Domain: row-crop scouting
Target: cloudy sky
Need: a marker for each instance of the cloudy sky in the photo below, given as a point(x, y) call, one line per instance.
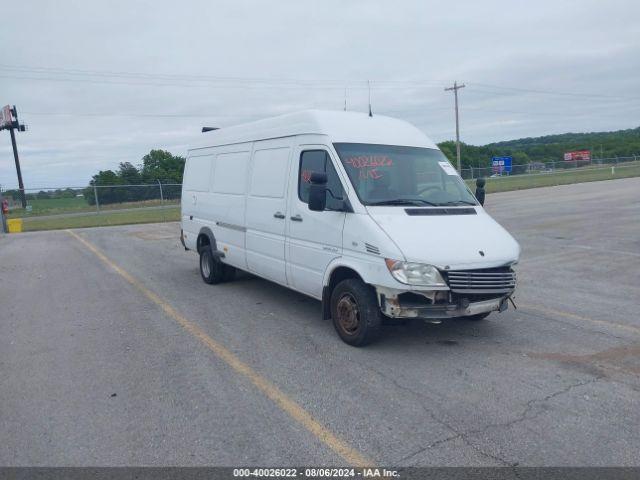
point(100, 83)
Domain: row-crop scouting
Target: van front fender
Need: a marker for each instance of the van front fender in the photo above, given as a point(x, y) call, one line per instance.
point(344, 269)
point(371, 269)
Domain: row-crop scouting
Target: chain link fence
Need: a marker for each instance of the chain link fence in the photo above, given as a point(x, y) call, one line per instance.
point(96, 205)
point(550, 166)
point(103, 205)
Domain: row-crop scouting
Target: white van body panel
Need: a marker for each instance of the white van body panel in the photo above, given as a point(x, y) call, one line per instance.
point(348, 127)
point(241, 184)
point(221, 207)
point(366, 245)
point(449, 241)
point(266, 200)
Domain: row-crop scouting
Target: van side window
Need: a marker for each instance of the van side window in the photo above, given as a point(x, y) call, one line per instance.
point(197, 172)
point(270, 172)
point(319, 161)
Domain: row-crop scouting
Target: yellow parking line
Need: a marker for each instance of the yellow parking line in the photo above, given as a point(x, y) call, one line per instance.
point(573, 316)
point(299, 414)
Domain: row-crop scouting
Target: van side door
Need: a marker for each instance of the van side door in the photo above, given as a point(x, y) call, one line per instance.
point(195, 184)
point(314, 239)
point(224, 206)
point(266, 209)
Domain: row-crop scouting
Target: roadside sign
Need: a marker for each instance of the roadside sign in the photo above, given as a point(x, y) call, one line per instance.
point(578, 156)
point(6, 118)
point(501, 164)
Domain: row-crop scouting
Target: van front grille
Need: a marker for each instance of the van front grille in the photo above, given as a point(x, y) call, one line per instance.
point(486, 280)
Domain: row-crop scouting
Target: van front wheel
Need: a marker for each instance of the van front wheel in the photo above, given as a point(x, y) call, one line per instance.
point(212, 269)
point(355, 312)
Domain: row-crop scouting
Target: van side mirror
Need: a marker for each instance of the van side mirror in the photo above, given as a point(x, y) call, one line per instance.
point(480, 182)
point(318, 191)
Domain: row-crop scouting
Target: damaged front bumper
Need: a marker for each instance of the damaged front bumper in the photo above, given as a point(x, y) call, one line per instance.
point(436, 304)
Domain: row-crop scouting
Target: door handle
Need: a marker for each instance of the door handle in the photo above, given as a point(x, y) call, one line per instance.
point(296, 218)
point(278, 215)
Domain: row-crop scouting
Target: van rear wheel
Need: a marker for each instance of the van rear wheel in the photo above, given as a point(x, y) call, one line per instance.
point(212, 269)
point(355, 312)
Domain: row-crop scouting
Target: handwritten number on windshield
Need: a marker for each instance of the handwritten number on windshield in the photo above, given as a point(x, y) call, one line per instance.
point(369, 161)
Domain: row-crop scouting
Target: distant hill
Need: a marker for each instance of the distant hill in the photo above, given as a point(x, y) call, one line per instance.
point(550, 148)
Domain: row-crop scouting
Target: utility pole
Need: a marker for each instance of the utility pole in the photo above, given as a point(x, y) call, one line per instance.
point(9, 121)
point(23, 198)
point(455, 89)
point(3, 223)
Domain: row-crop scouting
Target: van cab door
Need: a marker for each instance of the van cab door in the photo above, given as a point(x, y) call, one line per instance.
point(314, 239)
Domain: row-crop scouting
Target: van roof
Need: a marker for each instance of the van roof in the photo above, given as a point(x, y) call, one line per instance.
point(340, 126)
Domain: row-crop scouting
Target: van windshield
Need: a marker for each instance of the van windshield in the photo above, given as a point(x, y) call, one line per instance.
point(397, 175)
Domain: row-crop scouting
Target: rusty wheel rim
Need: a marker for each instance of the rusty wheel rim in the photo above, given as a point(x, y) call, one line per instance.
point(348, 314)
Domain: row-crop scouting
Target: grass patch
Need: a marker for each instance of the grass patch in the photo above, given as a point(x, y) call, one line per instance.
point(56, 206)
point(563, 177)
point(45, 206)
point(169, 214)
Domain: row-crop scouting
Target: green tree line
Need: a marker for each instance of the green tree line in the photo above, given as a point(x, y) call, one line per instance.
point(46, 194)
point(548, 149)
point(157, 166)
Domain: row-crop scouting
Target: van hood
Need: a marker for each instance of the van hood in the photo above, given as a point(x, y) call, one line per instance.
point(448, 241)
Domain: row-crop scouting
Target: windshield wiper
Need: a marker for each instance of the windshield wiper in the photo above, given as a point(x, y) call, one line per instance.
point(402, 201)
point(459, 202)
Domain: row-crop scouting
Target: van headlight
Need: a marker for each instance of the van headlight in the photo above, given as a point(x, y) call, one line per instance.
point(415, 273)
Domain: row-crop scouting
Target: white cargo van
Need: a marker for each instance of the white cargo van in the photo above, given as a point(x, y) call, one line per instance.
point(363, 213)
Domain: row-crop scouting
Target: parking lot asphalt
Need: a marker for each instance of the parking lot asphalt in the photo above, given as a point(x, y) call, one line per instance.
point(116, 366)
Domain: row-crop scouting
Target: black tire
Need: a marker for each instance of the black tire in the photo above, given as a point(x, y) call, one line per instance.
point(212, 270)
point(478, 317)
point(228, 272)
point(355, 312)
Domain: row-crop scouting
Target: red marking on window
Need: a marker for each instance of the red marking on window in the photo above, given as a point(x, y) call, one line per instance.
point(373, 174)
point(306, 176)
point(364, 161)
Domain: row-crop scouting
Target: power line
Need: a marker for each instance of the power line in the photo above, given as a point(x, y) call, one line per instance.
point(167, 84)
point(23, 72)
point(147, 79)
point(257, 85)
point(166, 79)
point(192, 77)
point(144, 75)
point(382, 110)
point(551, 92)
